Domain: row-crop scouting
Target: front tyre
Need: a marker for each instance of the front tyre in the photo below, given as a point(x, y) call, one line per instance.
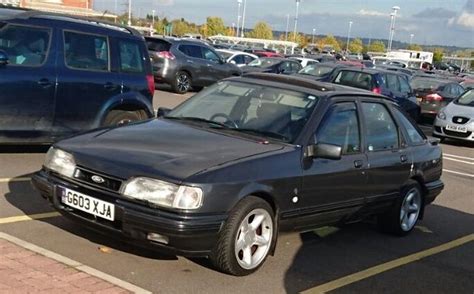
point(404, 215)
point(182, 82)
point(246, 238)
point(123, 117)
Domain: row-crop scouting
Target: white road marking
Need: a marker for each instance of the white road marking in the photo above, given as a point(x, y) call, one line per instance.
point(75, 264)
point(458, 173)
point(458, 160)
point(457, 156)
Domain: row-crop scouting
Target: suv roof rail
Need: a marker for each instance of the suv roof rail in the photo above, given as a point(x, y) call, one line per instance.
point(37, 13)
point(323, 87)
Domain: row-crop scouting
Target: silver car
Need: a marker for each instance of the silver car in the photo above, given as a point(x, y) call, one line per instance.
point(456, 120)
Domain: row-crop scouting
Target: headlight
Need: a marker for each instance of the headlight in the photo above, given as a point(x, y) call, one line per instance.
point(60, 161)
point(163, 194)
point(442, 115)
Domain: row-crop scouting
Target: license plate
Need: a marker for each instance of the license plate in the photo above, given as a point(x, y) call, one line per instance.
point(88, 204)
point(460, 129)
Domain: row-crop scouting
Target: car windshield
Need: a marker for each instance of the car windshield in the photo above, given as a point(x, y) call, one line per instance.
point(264, 62)
point(316, 70)
point(248, 109)
point(466, 99)
point(425, 83)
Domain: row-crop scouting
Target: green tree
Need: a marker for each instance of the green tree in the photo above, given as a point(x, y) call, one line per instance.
point(438, 55)
point(261, 31)
point(415, 47)
point(215, 26)
point(356, 46)
point(180, 27)
point(329, 40)
point(377, 46)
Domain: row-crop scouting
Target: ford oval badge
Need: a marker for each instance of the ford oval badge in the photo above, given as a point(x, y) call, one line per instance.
point(97, 179)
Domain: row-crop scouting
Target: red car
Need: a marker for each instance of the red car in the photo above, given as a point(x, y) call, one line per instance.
point(267, 54)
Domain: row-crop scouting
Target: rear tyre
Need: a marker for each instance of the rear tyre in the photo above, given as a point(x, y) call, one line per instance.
point(123, 117)
point(245, 240)
point(403, 216)
point(182, 82)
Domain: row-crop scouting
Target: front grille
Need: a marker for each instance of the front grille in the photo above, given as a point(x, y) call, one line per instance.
point(457, 134)
point(109, 183)
point(460, 120)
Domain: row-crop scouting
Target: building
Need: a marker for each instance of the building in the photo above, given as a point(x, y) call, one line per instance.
point(73, 7)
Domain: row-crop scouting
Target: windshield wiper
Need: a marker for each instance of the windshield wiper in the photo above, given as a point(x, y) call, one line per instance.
point(263, 133)
point(197, 119)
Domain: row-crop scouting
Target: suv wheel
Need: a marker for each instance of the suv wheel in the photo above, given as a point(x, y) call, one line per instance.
point(182, 82)
point(403, 216)
point(123, 117)
point(246, 238)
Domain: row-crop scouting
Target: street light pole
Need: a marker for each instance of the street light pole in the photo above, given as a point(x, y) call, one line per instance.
point(348, 36)
point(411, 38)
point(243, 20)
point(287, 26)
point(239, 4)
point(312, 39)
point(129, 12)
point(296, 19)
point(393, 17)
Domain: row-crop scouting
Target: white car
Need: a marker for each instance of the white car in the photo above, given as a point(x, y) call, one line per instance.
point(305, 61)
point(238, 58)
point(456, 120)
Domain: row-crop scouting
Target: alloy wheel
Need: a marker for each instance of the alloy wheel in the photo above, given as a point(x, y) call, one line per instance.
point(183, 82)
point(410, 209)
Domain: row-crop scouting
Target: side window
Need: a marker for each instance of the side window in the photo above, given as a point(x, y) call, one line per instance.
point(248, 59)
point(191, 50)
point(131, 58)
point(239, 59)
point(392, 83)
point(295, 67)
point(459, 90)
point(341, 127)
point(382, 133)
point(209, 55)
point(89, 52)
point(404, 86)
point(26, 46)
point(414, 136)
point(285, 67)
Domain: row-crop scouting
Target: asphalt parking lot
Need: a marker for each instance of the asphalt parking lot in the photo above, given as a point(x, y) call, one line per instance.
point(438, 257)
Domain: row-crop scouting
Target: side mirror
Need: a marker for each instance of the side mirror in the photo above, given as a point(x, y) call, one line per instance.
point(3, 58)
point(322, 150)
point(162, 111)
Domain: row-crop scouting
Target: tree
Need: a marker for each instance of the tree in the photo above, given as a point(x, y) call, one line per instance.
point(438, 55)
point(261, 31)
point(329, 41)
point(180, 27)
point(356, 46)
point(215, 26)
point(415, 47)
point(377, 46)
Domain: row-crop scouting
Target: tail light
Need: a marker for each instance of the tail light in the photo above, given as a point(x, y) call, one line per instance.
point(151, 84)
point(165, 55)
point(377, 90)
point(434, 97)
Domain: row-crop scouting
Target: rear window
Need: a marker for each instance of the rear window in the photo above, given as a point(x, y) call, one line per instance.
point(426, 83)
point(316, 70)
point(131, 58)
point(158, 45)
point(354, 79)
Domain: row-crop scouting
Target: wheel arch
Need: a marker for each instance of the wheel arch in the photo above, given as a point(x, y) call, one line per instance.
point(127, 103)
point(424, 191)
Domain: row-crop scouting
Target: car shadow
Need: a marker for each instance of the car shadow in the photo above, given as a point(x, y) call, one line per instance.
point(35, 204)
point(24, 148)
point(357, 247)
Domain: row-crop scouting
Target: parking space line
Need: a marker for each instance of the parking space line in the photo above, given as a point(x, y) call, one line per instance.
point(457, 156)
point(458, 160)
point(75, 264)
point(22, 218)
point(11, 180)
point(458, 173)
point(362, 275)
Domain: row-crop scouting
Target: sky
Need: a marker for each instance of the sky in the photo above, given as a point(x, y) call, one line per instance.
point(432, 22)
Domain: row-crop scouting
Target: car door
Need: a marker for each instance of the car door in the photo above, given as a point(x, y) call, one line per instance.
point(334, 189)
point(195, 64)
point(88, 76)
point(388, 157)
point(216, 68)
point(28, 81)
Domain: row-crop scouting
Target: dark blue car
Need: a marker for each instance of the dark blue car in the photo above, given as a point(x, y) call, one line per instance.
point(61, 75)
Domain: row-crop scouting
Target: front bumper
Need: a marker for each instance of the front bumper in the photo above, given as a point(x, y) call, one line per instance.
point(439, 131)
point(188, 235)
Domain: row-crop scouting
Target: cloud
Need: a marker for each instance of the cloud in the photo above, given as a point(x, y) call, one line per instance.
point(372, 13)
point(166, 2)
point(466, 18)
point(436, 12)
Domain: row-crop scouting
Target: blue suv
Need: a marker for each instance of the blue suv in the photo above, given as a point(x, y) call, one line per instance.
point(61, 75)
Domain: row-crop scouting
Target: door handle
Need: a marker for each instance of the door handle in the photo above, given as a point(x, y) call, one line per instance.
point(110, 86)
point(189, 61)
point(403, 158)
point(45, 83)
point(358, 163)
point(209, 65)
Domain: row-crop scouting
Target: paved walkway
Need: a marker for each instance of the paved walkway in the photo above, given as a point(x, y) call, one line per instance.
point(25, 271)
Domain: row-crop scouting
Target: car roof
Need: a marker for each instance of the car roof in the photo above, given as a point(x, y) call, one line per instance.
point(56, 17)
point(297, 83)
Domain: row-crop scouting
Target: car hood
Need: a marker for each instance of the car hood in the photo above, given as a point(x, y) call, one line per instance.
point(159, 148)
point(453, 109)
